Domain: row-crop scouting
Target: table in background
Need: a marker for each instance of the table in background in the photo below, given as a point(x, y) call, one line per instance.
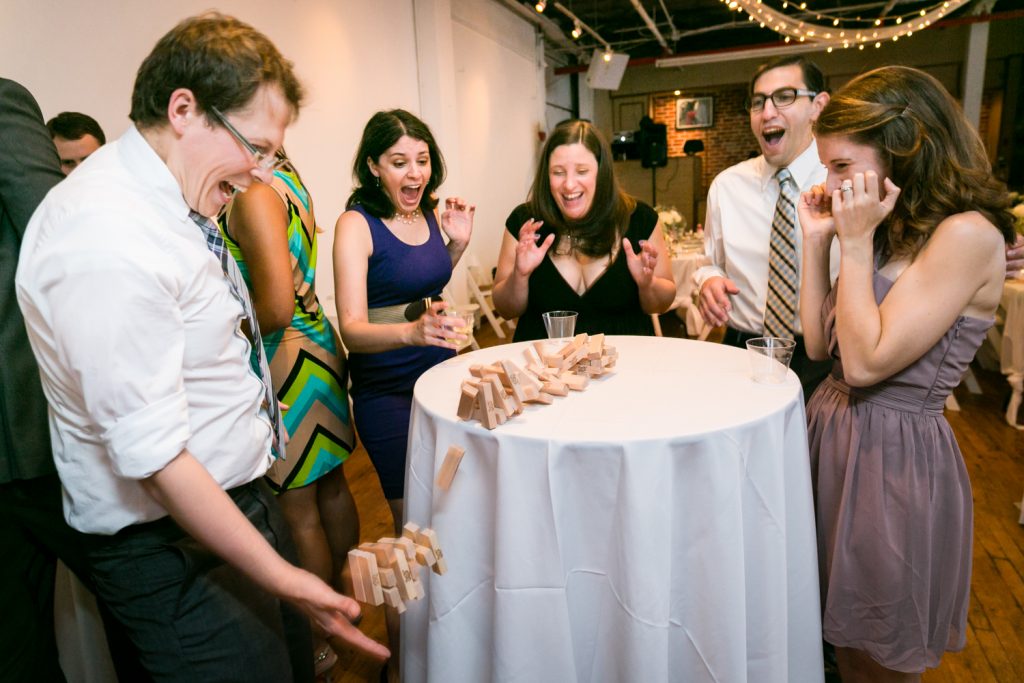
point(685, 262)
point(657, 526)
point(1011, 356)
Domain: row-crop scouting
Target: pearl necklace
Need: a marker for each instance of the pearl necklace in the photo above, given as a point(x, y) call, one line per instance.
point(407, 218)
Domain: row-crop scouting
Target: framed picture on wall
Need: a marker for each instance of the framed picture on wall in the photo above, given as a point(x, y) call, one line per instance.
point(695, 112)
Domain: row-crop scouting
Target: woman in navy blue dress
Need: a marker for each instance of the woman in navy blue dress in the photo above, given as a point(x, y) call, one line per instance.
point(389, 253)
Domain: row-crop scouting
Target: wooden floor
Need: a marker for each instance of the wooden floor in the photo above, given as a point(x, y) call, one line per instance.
point(995, 459)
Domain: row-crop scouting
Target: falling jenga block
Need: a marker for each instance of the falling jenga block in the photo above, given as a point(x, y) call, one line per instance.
point(365, 577)
point(448, 469)
point(402, 545)
point(425, 556)
point(428, 538)
point(383, 554)
point(387, 577)
point(392, 598)
point(408, 585)
point(467, 400)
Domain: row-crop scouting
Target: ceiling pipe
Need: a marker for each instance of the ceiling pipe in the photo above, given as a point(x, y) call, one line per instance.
point(583, 25)
point(671, 25)
point(550, 29)
point(650, 24)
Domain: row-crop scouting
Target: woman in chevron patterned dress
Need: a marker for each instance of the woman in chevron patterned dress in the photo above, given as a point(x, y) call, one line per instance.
point(271, 232)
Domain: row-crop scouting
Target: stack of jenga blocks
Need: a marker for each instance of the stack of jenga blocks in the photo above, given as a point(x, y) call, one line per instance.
point(499, 391)
point(387, 572)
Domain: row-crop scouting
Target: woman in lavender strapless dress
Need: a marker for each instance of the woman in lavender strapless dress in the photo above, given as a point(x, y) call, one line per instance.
point(922, 227)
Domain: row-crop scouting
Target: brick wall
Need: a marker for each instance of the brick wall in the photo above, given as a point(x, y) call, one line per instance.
point(726, 142)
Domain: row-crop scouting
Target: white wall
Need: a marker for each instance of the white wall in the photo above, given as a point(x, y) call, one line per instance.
point(499, 86)
point(355, 57)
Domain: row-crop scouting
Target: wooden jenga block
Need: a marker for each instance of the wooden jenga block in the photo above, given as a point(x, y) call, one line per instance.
point(365, 577)
point(542, 397)
point(500, 415)
point(425, 556)
point(556, 362)
point(501, 399)
point(531, 392)
point(402, 545)
point(387, 577)
point(466, 401)
point(610, 351)
point(574, 382)
point(555, 387)
point(407, 584)
point(595, 345)
point(537, 370)
point(476, 370)
point(485, 406)
point(410, 530)
point(513, 373)
point(392, 598)
point(428, 538)
point(382, 553)
point(538, 347)
point(448, 468)
point(528, 379)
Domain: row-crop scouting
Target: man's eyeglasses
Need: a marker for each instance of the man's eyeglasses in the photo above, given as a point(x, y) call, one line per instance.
point(263, 160)
point(783, 97)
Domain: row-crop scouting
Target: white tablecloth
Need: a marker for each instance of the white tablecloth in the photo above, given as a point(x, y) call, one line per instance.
point(684, 265)
point(657, 526)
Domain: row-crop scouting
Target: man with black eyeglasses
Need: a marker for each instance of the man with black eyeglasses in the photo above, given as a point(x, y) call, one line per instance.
point(752, 234)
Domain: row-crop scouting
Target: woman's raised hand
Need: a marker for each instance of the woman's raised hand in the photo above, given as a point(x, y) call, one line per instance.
point(641, 264)
point(457, 220)
point(815, 210)
point(529, 253)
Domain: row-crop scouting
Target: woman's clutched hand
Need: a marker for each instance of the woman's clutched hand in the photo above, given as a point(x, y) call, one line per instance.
point(434, 328)
point(815, 211)
point(858, 206)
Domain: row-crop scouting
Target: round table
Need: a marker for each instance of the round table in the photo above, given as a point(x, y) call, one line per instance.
point(657, 526)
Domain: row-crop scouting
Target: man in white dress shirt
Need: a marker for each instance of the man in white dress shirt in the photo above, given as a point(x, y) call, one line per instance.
point(161, 425)
point(785, 97)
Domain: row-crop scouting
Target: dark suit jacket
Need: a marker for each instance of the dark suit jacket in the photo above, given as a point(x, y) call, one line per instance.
point(29, 167)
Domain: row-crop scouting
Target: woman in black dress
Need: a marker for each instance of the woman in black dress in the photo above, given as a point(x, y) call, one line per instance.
point(580, 243)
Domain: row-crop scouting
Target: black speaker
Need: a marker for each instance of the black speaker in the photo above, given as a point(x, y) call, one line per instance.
point(652, 139)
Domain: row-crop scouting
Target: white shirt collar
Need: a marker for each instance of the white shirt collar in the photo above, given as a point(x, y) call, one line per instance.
point(802, 168)
point(151, 170)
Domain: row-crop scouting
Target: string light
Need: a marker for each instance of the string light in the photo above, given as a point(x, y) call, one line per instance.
point(541, 5)
point(576, 31)
point(882, 28)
